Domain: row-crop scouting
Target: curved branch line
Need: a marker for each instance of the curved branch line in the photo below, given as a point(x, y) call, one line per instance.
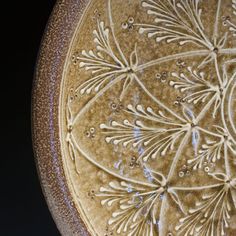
point(123, 74)
point(205, 109)
point(156, 100)
point(224, 104)
point(178, 154)
point(161, 228)
point(208, 132)
point(91, 160)
point(228, 51)
point(113, 33)
point(173, 57)
point(216, 26)
point(197, 188)
point(99, 94)
point(230, 108)
point(217, 70)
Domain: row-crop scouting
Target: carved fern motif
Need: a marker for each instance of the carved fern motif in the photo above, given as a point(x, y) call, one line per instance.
point(137, 208)
point(212, 150)
point(104, 64)
point(210, 217)
point(197, 88)
point(140, 204)
point(156, 140)
point(176, 21)
point(209, 152)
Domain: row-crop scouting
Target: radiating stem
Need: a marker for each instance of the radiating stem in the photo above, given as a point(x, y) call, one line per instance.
point(218, 70)
point(157, 101)
point(99, 94)
point(90, 159)
point(177, 155)
point(161, 228)
point(172, 57)
point(113, 34)
point(208, 132)
point(225, 103)
point(205, 109)
point(228, 51)
point(197, 188)
point(216, 26)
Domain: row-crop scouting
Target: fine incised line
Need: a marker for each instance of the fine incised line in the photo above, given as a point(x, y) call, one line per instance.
point(99, 94)
point(124, 70)
point(172, 57)
point(157, 100)
point(196, 188)
point(87, 156)
point(230, 51)
point(216, 26)
point(178, 154)
point(113, 34)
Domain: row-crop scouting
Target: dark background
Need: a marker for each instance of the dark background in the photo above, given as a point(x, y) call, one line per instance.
point(23, 210)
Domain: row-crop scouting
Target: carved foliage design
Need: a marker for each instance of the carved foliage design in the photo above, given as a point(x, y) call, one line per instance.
point(159, 130)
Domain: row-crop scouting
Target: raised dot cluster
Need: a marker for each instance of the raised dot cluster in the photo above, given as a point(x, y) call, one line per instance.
point(90, 133)
point(163, 76)
point(129, 24)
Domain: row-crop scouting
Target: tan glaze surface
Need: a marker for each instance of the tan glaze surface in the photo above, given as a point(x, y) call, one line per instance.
point(144, 119)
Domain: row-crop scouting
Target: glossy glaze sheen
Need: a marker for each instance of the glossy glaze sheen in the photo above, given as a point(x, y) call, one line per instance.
point(154, 83)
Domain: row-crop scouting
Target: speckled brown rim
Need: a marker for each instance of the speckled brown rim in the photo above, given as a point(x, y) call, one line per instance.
point(45, 109)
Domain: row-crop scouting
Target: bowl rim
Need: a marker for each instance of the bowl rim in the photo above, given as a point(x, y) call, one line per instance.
point(45, 114)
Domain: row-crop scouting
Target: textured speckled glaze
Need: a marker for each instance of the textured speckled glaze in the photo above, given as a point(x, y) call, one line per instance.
point(134, 117)
point(48, 75)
